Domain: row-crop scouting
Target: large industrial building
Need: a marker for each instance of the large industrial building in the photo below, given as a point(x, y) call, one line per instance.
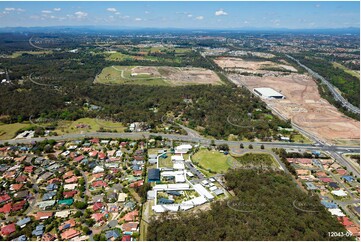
point(266, 92)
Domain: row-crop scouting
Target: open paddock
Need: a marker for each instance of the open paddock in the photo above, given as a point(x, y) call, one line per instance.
point(154, 75)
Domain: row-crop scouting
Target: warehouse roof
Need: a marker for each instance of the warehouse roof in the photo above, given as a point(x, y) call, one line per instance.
point(267, 92)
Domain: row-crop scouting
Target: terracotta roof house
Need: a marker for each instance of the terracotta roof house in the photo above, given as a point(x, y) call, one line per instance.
point(93, 153)
point(97, 206)
point(94, 141)
point(43, 215)
point(8, 229)
point(16, 187)
point(54, 180)
point(68, 174)
point(99, 184)
point(67, 224)
point(326, 179)
point(18, 205)
point(29, 169)
point(6, 208)
point(79, 158)
point(98, 216)
point(131, 216)
point(341, 172)
point(4, 198)
point(355, 230)
point(127, 237)
point(69, 194)
point(101, 155)
point(72, 179)
point(136, 184)
point(21, 178)
point(345, 221)
point(70, 233)
point(130, 227)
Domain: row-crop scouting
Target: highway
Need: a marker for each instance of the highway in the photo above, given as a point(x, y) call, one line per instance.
point(334, 151)
point(338, 97)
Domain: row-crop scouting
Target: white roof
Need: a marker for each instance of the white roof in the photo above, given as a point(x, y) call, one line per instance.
point(202, 191)
point(213, 188)
point(339, 193)
point(178, 166)
point(98, 169)
point(160, 186)
point(179, 186)
point(190, 174)
point(177, 158)
point(70, 186)
point(165, 207)
point(199, 200)
point(180, 178)
point(267, 92)
point(184, 146)
point(336, 211)
point(62, 214)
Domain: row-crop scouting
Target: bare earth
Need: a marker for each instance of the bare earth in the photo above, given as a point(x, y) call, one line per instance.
point(304, 106)
point(239, 63)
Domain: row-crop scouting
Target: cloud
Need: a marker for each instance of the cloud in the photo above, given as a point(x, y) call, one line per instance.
point(317, 5)
point(199, 17)
point(57, 9)
point(112, 9)
point(46, 11)
point(138, 19)
point(81, 14)
point(15, 9)
point(220, 12)
point(189, 15)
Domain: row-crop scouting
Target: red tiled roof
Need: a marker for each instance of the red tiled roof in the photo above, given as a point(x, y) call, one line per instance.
point(79, 158)
point(101, 155)
point(28, 169)
point(95, 140)
point(355, 230)
point(71, 223)
point(131, 216)
point(97, 206)
point(6, 208)
point(4, 198)
point(16, 187)
point(68, 174)
point(54, 180)
point(8, 229)
point(43, 215)
point(126, 238)
point(68, 194)
point(130, 227)
point(72, 179)
point(136, 184)
point(18, 205)
point(70, 233)
point(99, 184)
point(21, 178)
point(98, 216)
point(326, 179)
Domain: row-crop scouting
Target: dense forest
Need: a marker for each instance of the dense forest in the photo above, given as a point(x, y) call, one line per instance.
point(267, 206)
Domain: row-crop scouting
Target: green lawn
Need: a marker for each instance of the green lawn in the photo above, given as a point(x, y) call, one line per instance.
point(19, 53)
point(8, 131)
point(213, 160)
point(122, 75)
point(167, 162)
point(65, 127)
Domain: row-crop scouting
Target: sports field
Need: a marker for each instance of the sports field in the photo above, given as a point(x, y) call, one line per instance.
point(214, 160)
point(157, 75)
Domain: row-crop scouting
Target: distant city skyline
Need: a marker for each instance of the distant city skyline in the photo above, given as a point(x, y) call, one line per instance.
point(209, 15)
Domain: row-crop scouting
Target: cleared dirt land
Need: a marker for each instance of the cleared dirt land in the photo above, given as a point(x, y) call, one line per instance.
point(304, 106)
point(154, 75)
point(252, 66)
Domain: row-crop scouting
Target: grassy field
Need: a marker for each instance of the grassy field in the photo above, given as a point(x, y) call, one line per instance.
point(213, 160)
point(351, 72)
point(167, 162)
point(256, 159)
point(65, 127)
point(122, 75)
point(19, 53)
point(299, 138)
point(8, 131)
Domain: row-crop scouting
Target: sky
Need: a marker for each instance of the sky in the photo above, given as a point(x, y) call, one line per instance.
point(209, 15)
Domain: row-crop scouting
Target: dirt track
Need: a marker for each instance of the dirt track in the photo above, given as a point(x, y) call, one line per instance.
point(304, 106)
